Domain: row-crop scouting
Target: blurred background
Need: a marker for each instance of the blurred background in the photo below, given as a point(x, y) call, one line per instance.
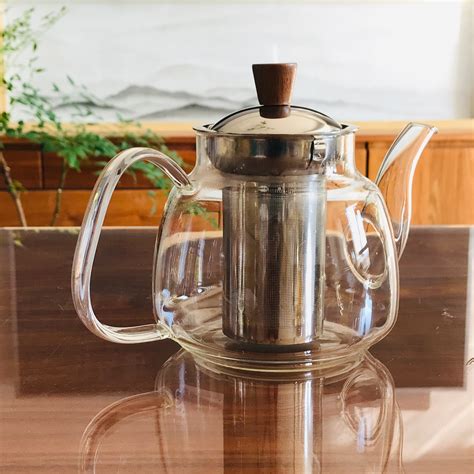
point(154, 68)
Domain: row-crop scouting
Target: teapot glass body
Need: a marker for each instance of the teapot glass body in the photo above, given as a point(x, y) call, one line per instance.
point(272, 272)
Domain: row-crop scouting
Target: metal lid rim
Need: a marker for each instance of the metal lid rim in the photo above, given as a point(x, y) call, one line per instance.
point(207, 130)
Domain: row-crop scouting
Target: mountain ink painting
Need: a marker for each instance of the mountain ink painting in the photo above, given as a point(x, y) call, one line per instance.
point(191, 62)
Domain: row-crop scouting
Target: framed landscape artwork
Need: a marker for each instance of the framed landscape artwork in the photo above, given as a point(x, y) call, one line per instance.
point(190, 61)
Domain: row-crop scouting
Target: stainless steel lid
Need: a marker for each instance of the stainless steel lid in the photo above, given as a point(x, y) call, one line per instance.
point(275, 138)
point(275, 115)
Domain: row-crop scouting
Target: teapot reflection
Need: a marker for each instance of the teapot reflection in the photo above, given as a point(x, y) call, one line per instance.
point(208, 421)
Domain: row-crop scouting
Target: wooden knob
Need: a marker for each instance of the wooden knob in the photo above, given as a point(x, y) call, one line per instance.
point(274, 84)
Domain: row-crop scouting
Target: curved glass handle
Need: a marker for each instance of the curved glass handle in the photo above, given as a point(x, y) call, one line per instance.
point(372, 374)
point(111, 416)
point(89, 237)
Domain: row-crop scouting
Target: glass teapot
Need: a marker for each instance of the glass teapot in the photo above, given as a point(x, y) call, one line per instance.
point(274, 253)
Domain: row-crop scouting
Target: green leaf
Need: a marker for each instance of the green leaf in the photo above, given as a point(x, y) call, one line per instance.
point(154, 207)
point(75, 145)
point(18, 186)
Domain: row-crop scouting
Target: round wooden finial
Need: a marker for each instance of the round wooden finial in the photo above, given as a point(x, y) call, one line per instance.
point(274, 84)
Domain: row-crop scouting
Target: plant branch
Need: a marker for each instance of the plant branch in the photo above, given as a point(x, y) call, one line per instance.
point(12, 189)
point(73, 145)
point(59, 193)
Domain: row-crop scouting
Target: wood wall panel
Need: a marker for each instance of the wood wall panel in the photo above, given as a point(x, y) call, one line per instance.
point(443, 187)
point(361, 157)
point(86, 178)
point(89, 170)
point(127, 208)
point(25, 165)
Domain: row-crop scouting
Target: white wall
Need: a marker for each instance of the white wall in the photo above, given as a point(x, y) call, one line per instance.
point(156, 60)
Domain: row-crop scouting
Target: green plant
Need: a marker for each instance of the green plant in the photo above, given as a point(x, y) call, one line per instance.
point(197, 209)
point(75, 143)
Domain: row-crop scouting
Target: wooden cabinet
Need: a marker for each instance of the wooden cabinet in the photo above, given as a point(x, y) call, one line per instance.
point(128, 207)
point(361, 157)
point(443, 186)
point(443, 191)
point(25, 162)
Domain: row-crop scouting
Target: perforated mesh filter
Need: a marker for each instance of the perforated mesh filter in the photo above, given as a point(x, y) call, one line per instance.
point(274, 261)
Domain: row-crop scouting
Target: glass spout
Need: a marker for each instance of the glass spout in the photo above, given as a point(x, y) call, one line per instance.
point(395, 177)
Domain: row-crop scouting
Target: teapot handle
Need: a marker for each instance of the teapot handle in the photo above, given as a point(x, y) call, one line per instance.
point(89, 237)
point(97, 430)
point(374, 369)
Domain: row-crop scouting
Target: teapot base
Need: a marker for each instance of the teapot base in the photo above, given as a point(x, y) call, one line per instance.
point(262, 369)
point(337, 351)
point(329, 372)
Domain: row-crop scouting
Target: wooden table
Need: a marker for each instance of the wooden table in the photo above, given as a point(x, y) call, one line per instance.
point(73, 403)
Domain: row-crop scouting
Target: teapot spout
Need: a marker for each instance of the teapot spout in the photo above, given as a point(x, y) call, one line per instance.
point(395, 177)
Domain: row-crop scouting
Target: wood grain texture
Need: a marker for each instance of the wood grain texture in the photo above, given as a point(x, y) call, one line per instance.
point(26, 166)
point(127, 207)
point(274, 82)
point(131, 204)
point(89, 173)
point(274, 85)
point(442, 191)
point(55, 376)
point(443, 187)
point(86, 178)
point(361, 157)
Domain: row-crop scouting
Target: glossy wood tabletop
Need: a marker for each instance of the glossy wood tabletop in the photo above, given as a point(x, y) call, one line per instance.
point(73, 403)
